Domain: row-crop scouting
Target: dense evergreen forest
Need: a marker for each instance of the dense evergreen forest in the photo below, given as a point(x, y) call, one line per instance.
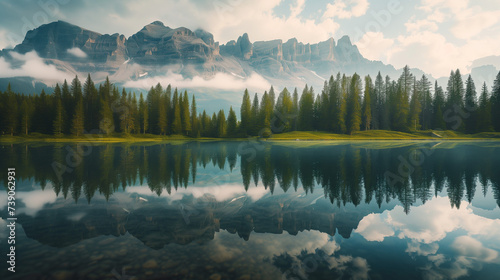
point(345, 105)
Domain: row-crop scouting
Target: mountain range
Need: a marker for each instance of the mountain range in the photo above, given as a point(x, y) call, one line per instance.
point(191, 59)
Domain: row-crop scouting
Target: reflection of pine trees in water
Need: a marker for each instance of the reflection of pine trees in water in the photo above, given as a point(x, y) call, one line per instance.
point(348, 174)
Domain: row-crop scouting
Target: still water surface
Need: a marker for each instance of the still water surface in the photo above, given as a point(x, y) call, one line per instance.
point(240, 210)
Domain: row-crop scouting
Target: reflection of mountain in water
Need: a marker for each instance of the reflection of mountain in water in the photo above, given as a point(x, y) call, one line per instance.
point(158, 223)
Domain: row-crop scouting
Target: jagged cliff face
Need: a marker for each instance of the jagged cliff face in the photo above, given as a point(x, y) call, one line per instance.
point(52, 41)
point(158, 49)
point(154, 44)
point(159, 44)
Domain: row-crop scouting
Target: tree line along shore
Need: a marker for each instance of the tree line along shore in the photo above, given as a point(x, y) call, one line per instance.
point(347, 105)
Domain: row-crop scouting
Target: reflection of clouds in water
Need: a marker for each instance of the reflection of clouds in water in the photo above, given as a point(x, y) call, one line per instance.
point(34, 201)
point(422, 249)
point(469, 247)
point(268, 246)
point(470, 254)
point(375, 227)
point(428, 224)
point(219, 192)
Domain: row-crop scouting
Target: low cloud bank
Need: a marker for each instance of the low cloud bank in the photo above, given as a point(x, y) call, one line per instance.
point(220, 81)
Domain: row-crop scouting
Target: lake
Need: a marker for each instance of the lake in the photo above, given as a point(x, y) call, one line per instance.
point(254, 210)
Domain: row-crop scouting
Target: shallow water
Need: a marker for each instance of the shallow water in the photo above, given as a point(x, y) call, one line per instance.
point(255, 210)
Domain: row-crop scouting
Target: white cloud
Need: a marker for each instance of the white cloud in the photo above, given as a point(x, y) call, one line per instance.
point(258, 20)
point(32, 66)
point(35, 200)
point(264, 246)
point(442, 35)
point(346, 9)
point(374, 46)
point(221, 192)
point(220, 81)
point(427, 223)
point(375, 227)
point(471, 248)
point(474, 21)
point(470, 254)
point(77, 52)
point(428, 51)
point(422, 249)
point(420, 25)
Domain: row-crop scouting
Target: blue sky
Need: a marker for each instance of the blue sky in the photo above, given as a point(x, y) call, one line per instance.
point(433, 35)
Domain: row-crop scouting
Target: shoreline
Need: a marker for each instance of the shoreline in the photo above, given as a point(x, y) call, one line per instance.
point(306, 136)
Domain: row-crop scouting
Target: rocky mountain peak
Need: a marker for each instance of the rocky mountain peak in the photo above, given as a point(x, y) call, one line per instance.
point(53, 40)
point(242, 48)
point(345, 41)
point(157, 22)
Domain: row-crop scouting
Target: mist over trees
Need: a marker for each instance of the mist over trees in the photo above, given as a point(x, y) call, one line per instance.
point(346, 104)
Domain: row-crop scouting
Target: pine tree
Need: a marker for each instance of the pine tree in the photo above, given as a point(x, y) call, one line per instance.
point(415, 109)
point(26, 112)
point(127, 120)
point(153, 101)
point(91, 104)
point(246, 113)
point(177, 122)
point(11, 111)
point(194, 120)
point(470, 106)
point(68, 106)
point(379, 121)
point(255, 110)
point(205, 121)
point(76, 89)
point(106, 125)
point(455, 101)
point(221, 124)
point(324, 115)
point(424, 86)
point(283, 109)
point(401, 107)
point(272, 97)
point(60, 114)
point(162, 113)
point(134, 112)
point(213, 126)
point(353, 116)
point(342, 106)
point(306, 108)
point(495, 104)
point(59, 120)
point(294, 115)
point(231, 123)
point(439, 103)
point(143, 115)
point(186, 120)
point(389, 113)
point(484, 114)
point(316, 125)
point(78, 119)
point(367, 103)
point(265, 115)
